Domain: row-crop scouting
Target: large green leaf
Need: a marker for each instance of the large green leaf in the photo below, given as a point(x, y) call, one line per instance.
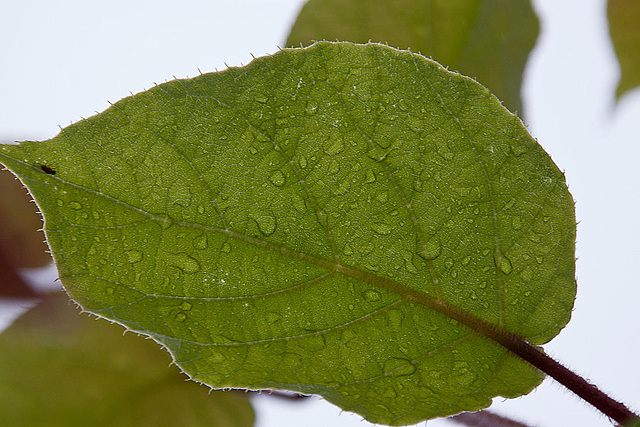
point(302, 222)
point(489, 40)
point(624, 28)
point(58, 368)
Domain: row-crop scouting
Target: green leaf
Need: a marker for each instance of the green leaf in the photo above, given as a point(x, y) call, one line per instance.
point(60, 368)
point(624, 29)
point(303, 222)
point(489, 40)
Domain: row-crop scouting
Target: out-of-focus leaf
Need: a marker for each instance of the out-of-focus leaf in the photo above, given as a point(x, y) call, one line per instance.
point(61, 368)
point(20, 241)
point(624, 28)
point(488, 40)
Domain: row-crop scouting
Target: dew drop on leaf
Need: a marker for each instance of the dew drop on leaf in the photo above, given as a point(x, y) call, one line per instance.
point(505, 265)
point(226, 247)
point(75, 205)
point(134, 256)
point(266, 224)
point(371, 296)
point(277, 178)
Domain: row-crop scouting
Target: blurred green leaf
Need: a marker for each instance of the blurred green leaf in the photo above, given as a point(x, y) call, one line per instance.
point(61, 368)
point(312, 222)
point(624, 28)
point(489, 40)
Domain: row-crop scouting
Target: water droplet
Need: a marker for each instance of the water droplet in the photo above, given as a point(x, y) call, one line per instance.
point(186, 306)
point(253, 150)
point(527, 294)
point(399, 367)
point(266, 224)
point(505, 265)
point(390, 392)
point(185, 263)
point(134, 256)
point(516, 222)
point(226, 247)
point(273, 317)
point(466, 260)
point(370, 176)
point(262, 100)
point(371, 296)
point(60, 203)
point(200, 242)
point(300, 205)
point(302, 162)
point(431, 249)
point(311, 107)
point(75, 205)
point(200, 209)
point(519, 150)
point(181, 317)
point(96, 215)
point(383, 197)
point(334, 147)
point(539, 259)
point(483, 285)
point(277, 178)
point(381, 228)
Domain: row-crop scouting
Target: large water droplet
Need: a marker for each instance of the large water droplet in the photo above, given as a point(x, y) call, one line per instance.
point(371, 295)
point(277, 178)
point(75, 205)
point(186, 306)
point(266, 224)
point(134, 256)
point(181, 317)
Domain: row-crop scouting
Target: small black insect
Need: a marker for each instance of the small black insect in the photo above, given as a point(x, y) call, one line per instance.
point(47, 169)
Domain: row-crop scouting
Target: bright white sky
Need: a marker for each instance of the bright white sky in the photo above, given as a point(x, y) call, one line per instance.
point(60, 61)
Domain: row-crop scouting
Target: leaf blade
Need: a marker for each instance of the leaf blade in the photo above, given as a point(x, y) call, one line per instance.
point(315, 190)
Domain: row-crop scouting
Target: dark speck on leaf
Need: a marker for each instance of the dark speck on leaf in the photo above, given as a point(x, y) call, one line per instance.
point(47, 169)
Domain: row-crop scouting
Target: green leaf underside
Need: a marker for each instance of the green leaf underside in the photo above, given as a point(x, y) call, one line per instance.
point(60, 368)
point(489, 40)
point(625, 35)
point(267, 224)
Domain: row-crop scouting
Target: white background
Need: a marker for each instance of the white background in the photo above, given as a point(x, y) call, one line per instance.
point(61, 61)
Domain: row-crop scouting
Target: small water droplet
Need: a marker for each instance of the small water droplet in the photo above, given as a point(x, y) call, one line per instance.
point(302, 162)
point(200, 242)
point(273, 317)
point(181, 317)
point(277, 178)
point(334, 147)
point(134, 256)
point(431, 249)
point(266, 224)
point(505, 265)
point(200, 209)
point(226, 247)
point(381, 228)
point(60, 203)
point(96, 215)
point(466, 260)
point(399, 367)
point(371, 296)
point(186, 306)
point(311, 107)
point(540, 259)
point(185, 263)
point(516, 222)
point(527, 294)
point(262, 100)
point(75, 205)
point(390, 393)
point(370, 176)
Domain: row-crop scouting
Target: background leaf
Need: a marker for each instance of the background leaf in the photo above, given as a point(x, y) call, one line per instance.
point(269, 224)
point(61, 368)
point(624, 28)
point(488, 40)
